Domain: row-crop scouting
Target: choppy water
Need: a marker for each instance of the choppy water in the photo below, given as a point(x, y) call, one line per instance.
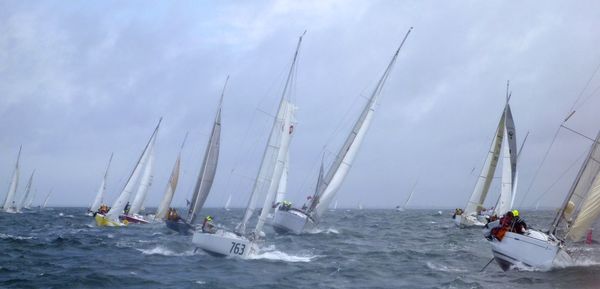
point(62, 248)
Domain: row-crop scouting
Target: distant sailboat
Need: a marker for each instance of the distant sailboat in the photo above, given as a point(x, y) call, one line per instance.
point(297, 221)
point(579, 211)
point(27, 195)
point(227, 203)
point(360, 206)
point(101, 191)
point(412, 191)
point(10, 205)
point(205, 179)
point(111, 219)
point(241, 243)
point(46, 199)
point(504, 142)
point(335, 205)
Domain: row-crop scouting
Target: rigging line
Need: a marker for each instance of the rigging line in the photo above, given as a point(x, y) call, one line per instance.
point(560, 177)
point(585, 87)
point(578, 133)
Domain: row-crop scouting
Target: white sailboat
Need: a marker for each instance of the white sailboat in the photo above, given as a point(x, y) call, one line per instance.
point(101, 191)
point(132, 214)
point(228, 203)
point(505, 140)
point(111, 219)
point(46, 199)
point(297, 221)
point(241, 243)
point(27, 195)
point(30, 200)
point(412, 191)
point(580, 209)
point(10, 205)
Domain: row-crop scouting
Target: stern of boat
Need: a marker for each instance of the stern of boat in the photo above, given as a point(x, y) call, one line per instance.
point(223, 243)
point(103, 221)
point(532, 249)
point(290, 222)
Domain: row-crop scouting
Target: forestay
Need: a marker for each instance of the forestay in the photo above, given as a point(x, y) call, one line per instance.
point(209, 166)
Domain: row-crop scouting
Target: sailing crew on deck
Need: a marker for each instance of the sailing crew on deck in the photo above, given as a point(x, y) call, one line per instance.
point(172, 215)
point(126, 210)
point(505, 225)
point(286, 205)
point(207, 225)
point(518, 225)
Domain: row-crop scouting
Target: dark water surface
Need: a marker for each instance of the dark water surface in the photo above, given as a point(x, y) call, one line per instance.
point(62, 248)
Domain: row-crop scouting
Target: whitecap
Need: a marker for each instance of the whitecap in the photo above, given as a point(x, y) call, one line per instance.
point(324, 231)
point(200, 282)
point(159, 250)
point(443, 268)
point(272, 254)
point(8, 236)
point(61, 214)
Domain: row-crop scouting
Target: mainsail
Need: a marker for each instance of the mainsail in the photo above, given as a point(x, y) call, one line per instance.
point(9, 201)
point(117, 209)
point(582, 205)
point(47, 198)
point(281, 190)
point(27, 194)
point(100, 195)
point(412, 191)
point(273, 160)
point(163, 208)
point(509, 165)
point(145, 182)
point(343, 161)
point(209, 166)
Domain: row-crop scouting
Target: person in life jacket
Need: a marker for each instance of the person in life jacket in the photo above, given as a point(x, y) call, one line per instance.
point(457, 212)
point(172, 215)
point(285, 205)
point(504, 226)
point(517, 224)
point(207, 225)
point(126, 210)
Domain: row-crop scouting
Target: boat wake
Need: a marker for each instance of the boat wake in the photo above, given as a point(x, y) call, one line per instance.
point(270, 253)
point(324, 231)
point(160, 250)
point(9, 236)
point(443, 268)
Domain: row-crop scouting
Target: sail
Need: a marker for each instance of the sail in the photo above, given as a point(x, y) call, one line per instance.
point(163, 208)
point(484, 181)
point(27, 194)
point(100, 194)
point(281, 190)
point(9, 201)
point(287, 129)
point(343, 161)
point(335, 205)
point(209, 166)
point(272, 158)
point(504, 201)
point(46, 199)
point(228, 203)
point(582, 205)
point(117, 209)
point(30, 200)
point(412, 191)
point(145, 183)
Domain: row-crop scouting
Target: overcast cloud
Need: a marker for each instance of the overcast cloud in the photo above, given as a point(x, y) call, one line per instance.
point(82, 79)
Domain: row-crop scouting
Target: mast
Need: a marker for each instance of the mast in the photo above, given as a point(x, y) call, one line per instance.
point(209, 165)
point(117, 208)
point(341, 165)
point(271, 158)
point(100, 195)
point(412, 191)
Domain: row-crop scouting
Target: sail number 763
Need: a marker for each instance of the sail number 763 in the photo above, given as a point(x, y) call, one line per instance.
point(237, 248)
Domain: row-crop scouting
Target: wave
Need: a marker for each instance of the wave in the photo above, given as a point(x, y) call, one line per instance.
point(275, 255)
point(443, 268)
point(324, 231)
point(9, 236)
point(160, 250)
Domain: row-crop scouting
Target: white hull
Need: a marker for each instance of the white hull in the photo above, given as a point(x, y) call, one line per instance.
point(224, 243)
point(532, 249)
point(463, 221)
point(292, 221)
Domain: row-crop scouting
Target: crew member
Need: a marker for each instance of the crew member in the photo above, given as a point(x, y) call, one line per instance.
point(207, 225)
point(518, 225)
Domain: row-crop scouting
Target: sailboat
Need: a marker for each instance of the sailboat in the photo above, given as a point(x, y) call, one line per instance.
point(24, 201)
point(100, 194)
point(132, 213)
point(205, 178)
point(227, 203)
point(165, 203)
point(335, 205)
point(297, 221)
point(575, 217)
point(46, 199)
point(241, 243)
point(412, 191)
point(112, 218)
point(9, 202)
point(505, 140)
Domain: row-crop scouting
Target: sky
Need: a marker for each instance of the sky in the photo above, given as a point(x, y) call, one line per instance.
point(80, 80)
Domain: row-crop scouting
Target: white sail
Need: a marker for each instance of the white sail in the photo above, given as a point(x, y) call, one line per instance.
point(163, 208)
point(101, 191)
point(335, 205)
point(145, 182)
point(582, 205)
point(345, 157)
point(209, 166)
point(272, 160)
point(287, 128)
point(228, 203)
point(31, 198)
point(9, 201)
point(475, 204)
point(412, 191)
point(117, 209)
point(27, 194)
point(281, 190)
point(504, 202)
point(46, 199)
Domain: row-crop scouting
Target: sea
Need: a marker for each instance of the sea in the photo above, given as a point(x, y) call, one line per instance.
point(62, 248)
